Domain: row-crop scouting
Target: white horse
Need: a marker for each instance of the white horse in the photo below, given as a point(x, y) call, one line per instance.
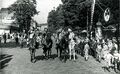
point(71, 44)
point(71, 48)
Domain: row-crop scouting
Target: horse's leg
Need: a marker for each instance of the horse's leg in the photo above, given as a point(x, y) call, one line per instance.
point(115, 65)
point(70, 53)
point(31, 55)
point(70, 56)
point(64, 56)
point(74, 54)
point(47, 53)
point(60, 55)
point(50, 52)
point(57, 50)
point(99, 57)
point(44, 51)
point(86, 54)
point(34, 54)
point(66, 52)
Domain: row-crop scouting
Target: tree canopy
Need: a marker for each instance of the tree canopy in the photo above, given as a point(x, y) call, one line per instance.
point(23, 11)
point(74, 13)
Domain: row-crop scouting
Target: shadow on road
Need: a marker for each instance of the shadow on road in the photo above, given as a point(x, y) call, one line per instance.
point(53, 56)
point(4, 60)
point(42, 57)
point(8, 45)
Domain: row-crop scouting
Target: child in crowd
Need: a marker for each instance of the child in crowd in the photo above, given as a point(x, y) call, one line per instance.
point(86, 50)
point(108, 59)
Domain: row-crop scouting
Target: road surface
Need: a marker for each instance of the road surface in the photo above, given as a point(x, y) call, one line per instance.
point(16, 60)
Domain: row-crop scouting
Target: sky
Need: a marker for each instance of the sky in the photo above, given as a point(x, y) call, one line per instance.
point(44, 6)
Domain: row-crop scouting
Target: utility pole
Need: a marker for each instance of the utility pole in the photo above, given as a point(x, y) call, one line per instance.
point(92, 13)
point(87, 24)
point(118, 37)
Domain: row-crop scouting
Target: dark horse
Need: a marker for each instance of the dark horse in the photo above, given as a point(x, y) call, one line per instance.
point(62, 46)
point(32, 48)
point(47, 45)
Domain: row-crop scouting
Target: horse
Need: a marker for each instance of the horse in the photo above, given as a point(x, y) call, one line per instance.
point(63, 47)
point(58, 38)
point(62, 44)
point(72, 48)
point(47, 45)
point(32, 43)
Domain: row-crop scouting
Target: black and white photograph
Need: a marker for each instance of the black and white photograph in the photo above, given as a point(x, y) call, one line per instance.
point(59, 37)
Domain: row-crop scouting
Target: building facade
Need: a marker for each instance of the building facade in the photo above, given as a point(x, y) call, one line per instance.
point(6, 21)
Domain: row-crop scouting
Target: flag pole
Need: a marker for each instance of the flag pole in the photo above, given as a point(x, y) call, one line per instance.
point(92, 13)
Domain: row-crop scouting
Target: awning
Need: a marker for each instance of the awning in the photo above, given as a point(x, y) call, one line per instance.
point(84, 31)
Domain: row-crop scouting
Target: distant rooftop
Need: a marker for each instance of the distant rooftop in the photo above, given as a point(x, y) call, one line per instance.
point(44, 24)
point(3, 10)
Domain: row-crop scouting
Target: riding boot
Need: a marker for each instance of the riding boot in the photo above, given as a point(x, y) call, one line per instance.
point(108, 69)
point(74, 56)
point(115, 67)
point(57, 53)
point(32, 58)
point(70, 55)
point(99, 59)
point(60, 56)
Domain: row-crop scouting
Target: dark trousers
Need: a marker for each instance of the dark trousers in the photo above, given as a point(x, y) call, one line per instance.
point(32, 53)
point(4, 40)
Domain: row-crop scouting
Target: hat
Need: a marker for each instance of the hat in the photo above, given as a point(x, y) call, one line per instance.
point(69, 30)
point(114, 40)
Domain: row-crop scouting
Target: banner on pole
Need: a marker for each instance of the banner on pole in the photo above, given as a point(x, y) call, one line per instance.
point(107, 14)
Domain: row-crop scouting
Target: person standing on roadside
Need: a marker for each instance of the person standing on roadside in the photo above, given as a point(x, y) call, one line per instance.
point(4, 37)
point(86, 50)
point(0, 39)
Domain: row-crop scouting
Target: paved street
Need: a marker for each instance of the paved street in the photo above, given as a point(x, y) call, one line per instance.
point(17, 61)
point(91, 24)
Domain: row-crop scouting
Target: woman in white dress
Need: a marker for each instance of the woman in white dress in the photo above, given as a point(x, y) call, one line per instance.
point(86, 51)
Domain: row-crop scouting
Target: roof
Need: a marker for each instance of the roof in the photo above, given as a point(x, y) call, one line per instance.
point(4, 26)
point(3, 10)
point(45, 24)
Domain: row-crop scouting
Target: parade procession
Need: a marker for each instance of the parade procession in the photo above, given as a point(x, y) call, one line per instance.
point(77, 37)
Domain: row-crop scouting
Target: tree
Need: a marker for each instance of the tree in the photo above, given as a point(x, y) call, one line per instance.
point(74, 13)
point(56, 18)
point(23, 11)
point(71, 13)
